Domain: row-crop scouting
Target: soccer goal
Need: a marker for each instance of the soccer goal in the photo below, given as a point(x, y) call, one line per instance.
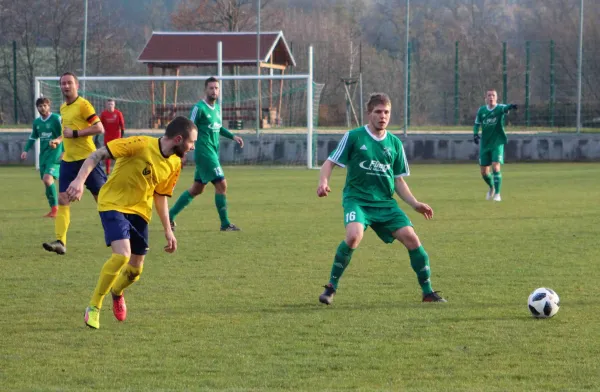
point(277, 115)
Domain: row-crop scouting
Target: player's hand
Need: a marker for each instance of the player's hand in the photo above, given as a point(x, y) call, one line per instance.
point(171, 242)
point(53, 144)
point(424, 209)
point(512, 106)
point(23, 155)
point(239, 141)
point(68, 132)
point(75, 190)
point(323, 190)
point(476, 139)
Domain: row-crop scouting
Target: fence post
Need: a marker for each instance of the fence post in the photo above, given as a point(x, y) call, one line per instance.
point(456, 83)
point(408, 86)
point(552, 84)
point(504, 75)
point(15, 90)
point(527, 71)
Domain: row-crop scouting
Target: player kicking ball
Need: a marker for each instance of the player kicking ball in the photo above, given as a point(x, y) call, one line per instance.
point(146, 169)
point(376, 166)
point(493, 138)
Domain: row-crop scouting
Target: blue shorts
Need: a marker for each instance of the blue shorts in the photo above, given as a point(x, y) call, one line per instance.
point(69, 170)
point(120, 226)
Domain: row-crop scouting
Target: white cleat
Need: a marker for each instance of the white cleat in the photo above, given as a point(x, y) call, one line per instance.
point(497, 197)
point(490, 194)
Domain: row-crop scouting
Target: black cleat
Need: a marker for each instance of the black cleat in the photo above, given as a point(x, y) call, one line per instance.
point(327, 296)
point(55, 246)
point(231, 227)
point(433, 297)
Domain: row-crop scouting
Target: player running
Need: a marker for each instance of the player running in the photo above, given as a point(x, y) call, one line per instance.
point(493, 138)
point(48, 129)
point(146, 169)
point(114, 126)
point(207, 117)
point(376, 166)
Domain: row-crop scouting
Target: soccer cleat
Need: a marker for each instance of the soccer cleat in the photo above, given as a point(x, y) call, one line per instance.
point(119, 307)
point(92, 317)
point(327, 296)
point(231, 227)
point(497, 197)
point(490, 194)
point(52, 213)
point(55, 246)
point(173, 225)
point(433, 297)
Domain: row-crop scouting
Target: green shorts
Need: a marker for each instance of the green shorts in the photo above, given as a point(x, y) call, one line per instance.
point(208, 170)
point(52, 169)
point(384, 221)
point(495, 154)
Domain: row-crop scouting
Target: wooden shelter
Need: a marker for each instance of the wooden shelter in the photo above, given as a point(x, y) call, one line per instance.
point(173, 50)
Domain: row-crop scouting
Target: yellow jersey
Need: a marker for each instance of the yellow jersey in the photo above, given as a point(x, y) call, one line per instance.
point(141, 171)
point(78, 115)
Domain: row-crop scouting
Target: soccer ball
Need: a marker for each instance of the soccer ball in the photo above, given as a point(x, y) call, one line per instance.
point(543, 303)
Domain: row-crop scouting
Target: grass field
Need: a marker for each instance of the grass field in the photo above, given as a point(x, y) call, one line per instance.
point(239, 311)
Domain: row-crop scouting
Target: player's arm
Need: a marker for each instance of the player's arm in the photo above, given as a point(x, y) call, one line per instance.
point(476, 129)
point(75, 190)
point(32, 138)
point(405, 194)
point(326, 170)
point(162, 209)
point(225, 133)
point(510, 107)
point(122, 124)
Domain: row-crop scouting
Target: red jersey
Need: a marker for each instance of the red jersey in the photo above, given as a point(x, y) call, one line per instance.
point(113, 124)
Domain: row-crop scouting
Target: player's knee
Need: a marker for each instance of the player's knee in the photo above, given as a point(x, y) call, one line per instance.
point(353, 239)
point(196, 189)
point(48, 180)
point(484, 170)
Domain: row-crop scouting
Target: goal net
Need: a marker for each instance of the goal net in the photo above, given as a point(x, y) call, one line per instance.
point(276, 115)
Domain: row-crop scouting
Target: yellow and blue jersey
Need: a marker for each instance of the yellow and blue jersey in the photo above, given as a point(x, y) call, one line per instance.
point(78, 115)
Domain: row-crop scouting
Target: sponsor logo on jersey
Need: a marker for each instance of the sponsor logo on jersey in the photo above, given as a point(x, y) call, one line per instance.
point(216, 126)
point(46, 135)
point(490, 121)
point(376, 168)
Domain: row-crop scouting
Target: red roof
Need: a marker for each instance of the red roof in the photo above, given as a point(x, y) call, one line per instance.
point(200, 48)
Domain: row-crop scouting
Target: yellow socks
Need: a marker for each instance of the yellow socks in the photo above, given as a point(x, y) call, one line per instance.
point(128, 276)
point(61, 223)
point(107, 278)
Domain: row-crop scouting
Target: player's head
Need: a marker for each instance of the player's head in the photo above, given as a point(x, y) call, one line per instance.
point(378, 110)
point(211, 89)
point(69, 84)
point(110, 105)
point(491, 97)
point(181, 133)
point(43, 106)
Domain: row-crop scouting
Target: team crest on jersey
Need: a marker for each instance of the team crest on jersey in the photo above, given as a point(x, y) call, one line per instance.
point(387, 151)
point(148, 169)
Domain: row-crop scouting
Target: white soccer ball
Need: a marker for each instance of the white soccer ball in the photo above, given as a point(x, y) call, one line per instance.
point(543, 303)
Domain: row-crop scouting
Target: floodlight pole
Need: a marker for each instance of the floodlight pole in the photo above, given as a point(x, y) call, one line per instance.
point(579, 66)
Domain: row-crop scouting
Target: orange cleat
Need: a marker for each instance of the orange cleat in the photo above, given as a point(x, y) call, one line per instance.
point(52, 213)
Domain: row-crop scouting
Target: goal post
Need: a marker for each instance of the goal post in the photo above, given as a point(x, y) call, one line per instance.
point(147, 106)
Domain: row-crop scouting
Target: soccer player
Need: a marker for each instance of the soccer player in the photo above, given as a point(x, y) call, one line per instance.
point(146, 169)
point(206, 115)
point(493, 138)
point(80, 124)
point(376, 166)
point(48, 129)
point(114, 126)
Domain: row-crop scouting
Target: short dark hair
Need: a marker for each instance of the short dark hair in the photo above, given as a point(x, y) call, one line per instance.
point(110, 100)
point(179, 126)
point(210, 80)
point(69, 73)
point(41, 101)
point(378, 99)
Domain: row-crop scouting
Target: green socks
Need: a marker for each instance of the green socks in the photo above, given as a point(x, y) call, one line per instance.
point(419, 261)
point(340, 262)
point(184, 200)
point(488, 180)
point(221, 203)
point(497, 182)
point(51, 195)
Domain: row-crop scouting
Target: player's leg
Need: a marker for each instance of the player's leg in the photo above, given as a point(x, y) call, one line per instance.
point(497, 161)
point(116, 235)
point(186, 197)
point(132, 271)
point(49, 173)
point(355, 222)
point(68, 172)
point(485, 160)
point(221, 204)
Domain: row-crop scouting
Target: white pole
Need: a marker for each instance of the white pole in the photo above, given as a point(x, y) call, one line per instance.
point(220, 75)
point(406, 68)
point(579, 66)
point(85, 23)
point(180, 78)
point(309, 109)
point(36, 115)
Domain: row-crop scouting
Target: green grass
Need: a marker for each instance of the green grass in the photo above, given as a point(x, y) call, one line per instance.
point(239, 311)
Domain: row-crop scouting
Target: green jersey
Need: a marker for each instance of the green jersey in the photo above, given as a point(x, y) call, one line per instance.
point(372, 164)
point(492, 126)
point(208, 121)
point(46, 130)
